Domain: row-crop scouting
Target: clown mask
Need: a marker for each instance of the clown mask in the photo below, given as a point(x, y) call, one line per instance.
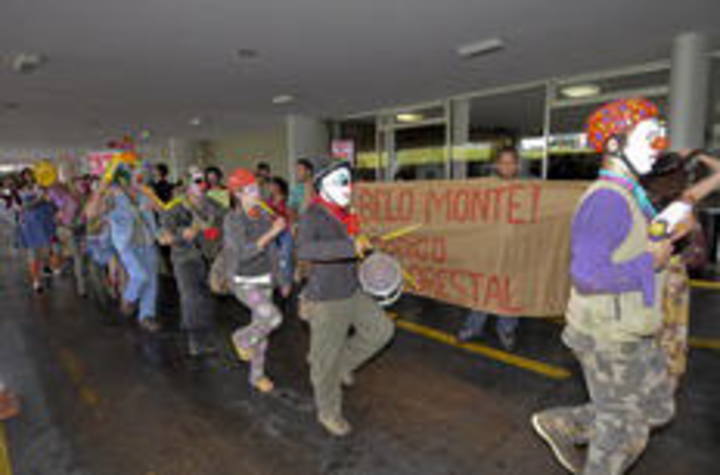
point(248, 195)
point(644, 144)
point(336, 187)
point(197, 185)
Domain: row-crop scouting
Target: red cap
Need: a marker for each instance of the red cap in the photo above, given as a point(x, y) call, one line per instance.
point(240, 178)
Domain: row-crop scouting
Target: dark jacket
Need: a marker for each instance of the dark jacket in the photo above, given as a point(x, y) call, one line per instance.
point(163, 189)
point(182, 216)
point(243, 256)
point(324, 242)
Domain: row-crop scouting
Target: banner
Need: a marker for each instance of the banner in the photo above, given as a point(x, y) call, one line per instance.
point(99, 160)
point(343, 149)
point(487, 244)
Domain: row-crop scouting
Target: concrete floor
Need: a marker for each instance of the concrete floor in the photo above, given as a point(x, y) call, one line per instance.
point(102, 399)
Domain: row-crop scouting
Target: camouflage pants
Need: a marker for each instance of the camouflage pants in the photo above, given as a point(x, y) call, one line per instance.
point(265, 318)
point(630, 391)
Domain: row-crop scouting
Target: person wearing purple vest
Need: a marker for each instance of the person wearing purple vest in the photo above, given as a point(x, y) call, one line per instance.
point(614, 312)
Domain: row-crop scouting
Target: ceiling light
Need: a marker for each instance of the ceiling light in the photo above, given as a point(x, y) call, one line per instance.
point(409, 117)
point(283, 99)
point(195, 121)
point(247, 53)
point(580, 90)
point(480, 47)
point(27, 63)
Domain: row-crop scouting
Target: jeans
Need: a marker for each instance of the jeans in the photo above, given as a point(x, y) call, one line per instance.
point(476, 320)
point(141, 265)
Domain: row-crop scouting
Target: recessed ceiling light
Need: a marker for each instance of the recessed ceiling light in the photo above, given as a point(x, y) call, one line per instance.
point(247, 53)
point(480, 47)
point(195, 121)
point(27, 63)
point(409, 117)
point(283, 99)
point(580, 90)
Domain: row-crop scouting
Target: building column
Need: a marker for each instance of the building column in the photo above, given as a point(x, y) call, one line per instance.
point(459, 136)
point(689, 91)
point(306, 136)
point(180, 154)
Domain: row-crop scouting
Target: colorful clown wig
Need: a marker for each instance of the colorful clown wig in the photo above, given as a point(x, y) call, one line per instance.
point(618, 117)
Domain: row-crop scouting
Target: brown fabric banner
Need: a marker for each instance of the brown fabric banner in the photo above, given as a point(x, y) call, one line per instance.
point(487, 244)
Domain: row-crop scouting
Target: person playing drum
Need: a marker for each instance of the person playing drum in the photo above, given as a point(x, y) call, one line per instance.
point(328, 238)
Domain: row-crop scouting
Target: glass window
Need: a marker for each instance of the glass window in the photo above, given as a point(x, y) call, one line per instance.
point(512, 119)
point(363, 133)
point(420, 153)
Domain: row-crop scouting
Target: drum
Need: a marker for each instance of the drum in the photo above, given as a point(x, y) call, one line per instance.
point(381, 277)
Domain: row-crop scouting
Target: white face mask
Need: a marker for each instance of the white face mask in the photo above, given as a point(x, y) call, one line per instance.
point(639, 149)
point(336, 187)
point(197, 185)
point(249, 195)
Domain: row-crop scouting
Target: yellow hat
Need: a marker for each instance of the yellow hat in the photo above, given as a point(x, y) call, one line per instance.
point(45, 173)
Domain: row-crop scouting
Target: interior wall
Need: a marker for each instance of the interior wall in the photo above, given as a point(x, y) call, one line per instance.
point(68, 159)
point(247, 149)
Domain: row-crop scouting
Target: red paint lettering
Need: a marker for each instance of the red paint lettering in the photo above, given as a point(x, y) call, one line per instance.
point(434, 203)
point(514, 203)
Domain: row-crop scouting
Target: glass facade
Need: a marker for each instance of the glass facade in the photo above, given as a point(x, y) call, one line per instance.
point(545, 120)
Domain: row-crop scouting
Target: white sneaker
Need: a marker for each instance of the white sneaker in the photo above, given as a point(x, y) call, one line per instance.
point(336, 426)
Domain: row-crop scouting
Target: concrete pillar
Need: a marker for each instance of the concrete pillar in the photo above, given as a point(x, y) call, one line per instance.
point(180, 156)
point(459, 135)
point(689, 91)
point(305, 136)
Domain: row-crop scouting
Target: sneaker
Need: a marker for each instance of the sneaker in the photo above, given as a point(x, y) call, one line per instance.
point(473, 327)
point(347, 380)
point(336, 426)
point(200, 346)
point(562, 445)
point(264, 384)
point(127, 308)
point(150, 325)
point(244, 354)
point(508, 340)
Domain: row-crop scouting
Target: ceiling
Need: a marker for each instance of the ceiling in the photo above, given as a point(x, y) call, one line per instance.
point(154, 64)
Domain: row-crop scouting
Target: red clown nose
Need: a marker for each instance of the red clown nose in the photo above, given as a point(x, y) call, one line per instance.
point(660, 143)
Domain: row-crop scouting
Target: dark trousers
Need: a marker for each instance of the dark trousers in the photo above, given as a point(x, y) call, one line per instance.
point(196, 301)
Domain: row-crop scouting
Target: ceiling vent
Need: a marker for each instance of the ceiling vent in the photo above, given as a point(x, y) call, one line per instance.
point(479, 48)
point(27, 63)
